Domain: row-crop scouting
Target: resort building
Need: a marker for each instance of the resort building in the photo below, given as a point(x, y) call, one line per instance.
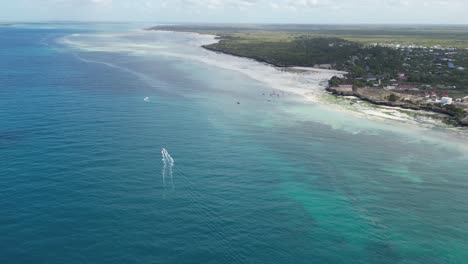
point(446, 100)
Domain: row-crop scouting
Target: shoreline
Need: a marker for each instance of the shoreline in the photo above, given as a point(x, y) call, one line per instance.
point(457, 122)
point(207, 47)
point(395, 105)
point(454, 121)
point(218, 38)
point(288, 67)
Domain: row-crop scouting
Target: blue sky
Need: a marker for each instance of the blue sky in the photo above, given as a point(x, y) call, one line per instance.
point(241, 11)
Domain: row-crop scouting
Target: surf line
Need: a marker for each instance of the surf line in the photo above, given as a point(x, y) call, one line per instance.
point(168, 164)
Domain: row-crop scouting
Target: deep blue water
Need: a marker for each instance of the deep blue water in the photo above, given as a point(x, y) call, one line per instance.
point(255, 182)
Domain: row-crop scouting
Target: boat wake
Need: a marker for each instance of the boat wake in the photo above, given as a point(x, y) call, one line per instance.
point(211, 218)
point(167, 170)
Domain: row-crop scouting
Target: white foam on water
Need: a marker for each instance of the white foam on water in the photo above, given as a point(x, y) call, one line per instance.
point(168, 164)
point(298, 80)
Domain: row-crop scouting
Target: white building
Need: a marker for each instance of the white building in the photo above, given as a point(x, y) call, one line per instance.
point(446, 100)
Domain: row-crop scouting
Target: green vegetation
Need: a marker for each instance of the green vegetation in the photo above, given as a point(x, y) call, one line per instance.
point(455, 111)
point(300, 51)
point(417, 63)
point(357, 59)
point(353, 49)
point(427, 36)
point(393, 98)
point(425, 68)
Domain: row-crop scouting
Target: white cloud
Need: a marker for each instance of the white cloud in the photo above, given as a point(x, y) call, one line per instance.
point(83, 2)
point(264, 11)
point(209, 3)
point(274, 4)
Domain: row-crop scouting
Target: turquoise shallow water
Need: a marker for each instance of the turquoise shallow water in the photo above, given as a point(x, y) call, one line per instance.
point(286, 181)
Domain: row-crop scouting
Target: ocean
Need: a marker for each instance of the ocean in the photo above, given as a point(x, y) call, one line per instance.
point(267, 167)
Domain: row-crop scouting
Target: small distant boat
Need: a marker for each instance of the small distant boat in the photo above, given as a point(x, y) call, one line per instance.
point(147, 99)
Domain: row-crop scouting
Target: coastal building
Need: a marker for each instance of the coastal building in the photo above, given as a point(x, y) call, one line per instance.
point(371, 77)
point(451, 65)
point(446, 100)
point(402, 76)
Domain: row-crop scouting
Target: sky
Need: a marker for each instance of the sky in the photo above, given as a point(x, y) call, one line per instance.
point(240, 11)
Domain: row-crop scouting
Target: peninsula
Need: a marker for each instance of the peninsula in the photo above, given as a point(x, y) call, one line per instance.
point(419, 68)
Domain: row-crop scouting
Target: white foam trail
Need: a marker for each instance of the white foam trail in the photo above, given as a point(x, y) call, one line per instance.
point(168, 163)
point(164, 168)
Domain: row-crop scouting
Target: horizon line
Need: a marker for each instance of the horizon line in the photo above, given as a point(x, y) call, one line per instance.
point(225, 23)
